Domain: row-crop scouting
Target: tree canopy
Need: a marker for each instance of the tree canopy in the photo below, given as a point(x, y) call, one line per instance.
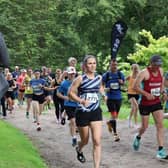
point(47, 32)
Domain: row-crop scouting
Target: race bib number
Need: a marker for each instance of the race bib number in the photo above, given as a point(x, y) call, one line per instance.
point(155, 91)
point(114, 86)
point(10, 89)
point(36, 88)
point(92, 97)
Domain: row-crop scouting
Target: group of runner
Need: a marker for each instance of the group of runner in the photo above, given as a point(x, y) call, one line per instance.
point(77, 96)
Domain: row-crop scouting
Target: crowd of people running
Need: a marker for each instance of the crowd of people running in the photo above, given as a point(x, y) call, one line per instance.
point(77, 96)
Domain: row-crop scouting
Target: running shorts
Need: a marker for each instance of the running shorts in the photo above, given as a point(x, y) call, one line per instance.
point(136, 96)
point(39, 98)
point(84, 118)
point(146, 110)
point(70, 111)
point(114, 105)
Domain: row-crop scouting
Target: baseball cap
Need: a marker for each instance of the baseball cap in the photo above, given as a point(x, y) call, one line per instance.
point(156, 59)
point(71, 70)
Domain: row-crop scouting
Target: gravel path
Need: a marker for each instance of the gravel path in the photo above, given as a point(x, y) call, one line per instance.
point(54, 144)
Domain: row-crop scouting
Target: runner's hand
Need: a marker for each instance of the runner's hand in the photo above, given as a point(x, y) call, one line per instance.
point(150, 96)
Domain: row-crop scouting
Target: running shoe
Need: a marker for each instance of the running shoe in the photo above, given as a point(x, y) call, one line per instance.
point(109, 126)
point(63, 121)
point(136, 143)
point(162, 155)
point(116, 137)
point(80, 155)
point(38, 127)
point(74, 142)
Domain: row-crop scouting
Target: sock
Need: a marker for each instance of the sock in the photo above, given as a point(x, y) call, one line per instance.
point(160, 148)
point(114, 125)
point(138, 137)
point(74, 136)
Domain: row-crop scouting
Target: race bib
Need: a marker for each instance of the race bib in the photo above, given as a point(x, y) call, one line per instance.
point(155, 91)
point(92, 97)
point(114, 86)
point(10, 89)
point(36, 88)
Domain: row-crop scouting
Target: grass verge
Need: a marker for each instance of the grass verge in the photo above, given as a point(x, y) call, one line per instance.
point(16, 150)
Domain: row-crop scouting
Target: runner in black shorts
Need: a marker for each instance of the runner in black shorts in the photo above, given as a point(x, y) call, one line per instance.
point(112, 81)
point(152, 79)
point(88, 113)
point(38, 86)
point(69, 105)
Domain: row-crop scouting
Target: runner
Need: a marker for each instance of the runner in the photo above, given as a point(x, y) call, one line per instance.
point(38, 97)
point(85, 90)
point(69, 105)
point(112, 80)
point(133, 96)
point(48, 93)
point(10, 93)
point(21, 86)
point(50, 72)
point(58, 103)
point(6, 71)
point(72, 63)
point(28, 90)
point(15, 75)
point(152, 81)
point(165, 97)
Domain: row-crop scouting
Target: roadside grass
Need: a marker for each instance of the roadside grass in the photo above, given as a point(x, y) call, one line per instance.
point(16, 150)
point(124, 113)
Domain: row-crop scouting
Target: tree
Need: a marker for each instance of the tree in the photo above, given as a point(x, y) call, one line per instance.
point(155, 46)
point(47, 32)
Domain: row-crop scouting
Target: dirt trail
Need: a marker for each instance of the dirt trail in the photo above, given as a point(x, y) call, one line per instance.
point(54, 144)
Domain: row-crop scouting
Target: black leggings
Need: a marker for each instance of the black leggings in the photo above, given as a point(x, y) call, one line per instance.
point(3, 106)
point(59, 106)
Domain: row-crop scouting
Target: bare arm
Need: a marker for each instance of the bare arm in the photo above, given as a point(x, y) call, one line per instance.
point(60, 95)
point(73, 91)
point(143, 75)
point(102, 92)
point(163, 83)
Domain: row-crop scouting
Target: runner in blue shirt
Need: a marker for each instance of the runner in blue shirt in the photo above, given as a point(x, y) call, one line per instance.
point(69, 105)
point(38, 98)
point(112, 81)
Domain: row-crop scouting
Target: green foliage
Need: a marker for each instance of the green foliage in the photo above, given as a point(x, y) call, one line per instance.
point(56, 30)
point(48, 32)
point(155, 46)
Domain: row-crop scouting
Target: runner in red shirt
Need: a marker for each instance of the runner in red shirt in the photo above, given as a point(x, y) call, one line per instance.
point(21, 86)
point(152, 87)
